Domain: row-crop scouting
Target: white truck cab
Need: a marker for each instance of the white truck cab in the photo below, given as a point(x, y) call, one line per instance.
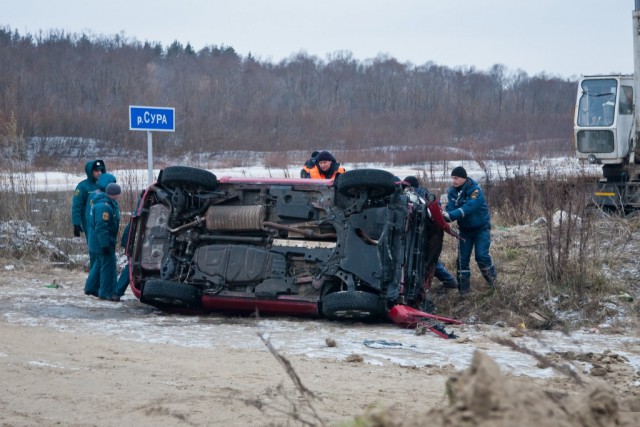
point(604, 123)
point(605, 130)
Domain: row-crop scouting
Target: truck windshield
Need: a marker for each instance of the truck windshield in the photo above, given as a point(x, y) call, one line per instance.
point(597, 103)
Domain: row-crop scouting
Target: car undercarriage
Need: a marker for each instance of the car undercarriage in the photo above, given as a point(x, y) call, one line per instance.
point(347, 248)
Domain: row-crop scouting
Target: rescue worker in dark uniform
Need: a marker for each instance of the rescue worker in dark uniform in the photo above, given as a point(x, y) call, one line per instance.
point(326, 167)
point(434, 230)
point(467, 206)
point(102, 182)
point(441, 273)
point(105, 218)
point(93, 169)
point(123, 279)
point(309, 164)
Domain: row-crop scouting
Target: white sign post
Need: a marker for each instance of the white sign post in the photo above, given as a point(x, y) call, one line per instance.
point(150, 156)
point(150, 119)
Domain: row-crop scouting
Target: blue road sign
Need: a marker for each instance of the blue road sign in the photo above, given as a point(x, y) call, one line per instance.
point(152, 118)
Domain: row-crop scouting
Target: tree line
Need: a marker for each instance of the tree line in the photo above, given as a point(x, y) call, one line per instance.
point(56, 84)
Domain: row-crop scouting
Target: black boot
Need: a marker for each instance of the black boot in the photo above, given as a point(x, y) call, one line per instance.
point(489, 275)
point(464, 283)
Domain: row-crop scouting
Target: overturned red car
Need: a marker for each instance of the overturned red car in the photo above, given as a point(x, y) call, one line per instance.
point(354, 247)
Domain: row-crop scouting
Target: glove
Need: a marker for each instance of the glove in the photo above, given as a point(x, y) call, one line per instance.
point(106, 250)
point(455, 234)
point(446, 216)
point(77, 229)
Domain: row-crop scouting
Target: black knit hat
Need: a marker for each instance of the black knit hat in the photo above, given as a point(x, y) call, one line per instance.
point(98, 165)
point(412, 181)
point(325, 155)
point(459, 172)
point(113, 189)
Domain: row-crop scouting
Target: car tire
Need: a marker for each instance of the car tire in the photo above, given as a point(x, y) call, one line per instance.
point(165, 293)
point(377, 182)
point(185, 176)
point(356, 305)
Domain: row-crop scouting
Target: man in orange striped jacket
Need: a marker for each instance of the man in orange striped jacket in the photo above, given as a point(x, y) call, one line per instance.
point(326, 167)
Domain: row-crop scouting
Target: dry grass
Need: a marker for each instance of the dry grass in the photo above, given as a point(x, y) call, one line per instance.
point(563, 270)
point(524, 287)
point(50, 211)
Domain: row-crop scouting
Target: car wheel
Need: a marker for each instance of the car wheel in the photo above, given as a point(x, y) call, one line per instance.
point(184, 176)
point(356, 305)
point(377, 182)
point(167, 293)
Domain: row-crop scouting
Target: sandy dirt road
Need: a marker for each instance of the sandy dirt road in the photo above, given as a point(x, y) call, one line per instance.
point(69, 359)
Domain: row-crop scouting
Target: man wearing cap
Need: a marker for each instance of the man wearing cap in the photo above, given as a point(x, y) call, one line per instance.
point(105, 222)
point(93, 169)
point(103, 180)
point(310, 163)
point(467, 206)
point(326, 167)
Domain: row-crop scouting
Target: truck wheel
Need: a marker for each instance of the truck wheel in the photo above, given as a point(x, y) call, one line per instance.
point(356, 305)
point(377, 182)
point(184, 176)
point(165, 293)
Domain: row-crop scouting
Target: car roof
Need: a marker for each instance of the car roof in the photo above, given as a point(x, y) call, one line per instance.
point(284, 181)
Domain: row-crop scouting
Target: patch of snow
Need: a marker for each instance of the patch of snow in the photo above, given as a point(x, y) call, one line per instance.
point(23, 236)
point(492, 170)
point(562, 217)
point(41, 364)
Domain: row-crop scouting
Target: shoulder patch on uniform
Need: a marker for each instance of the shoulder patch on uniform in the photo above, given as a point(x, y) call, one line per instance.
point(475, 194)
point(76, 193)
point(105, 216)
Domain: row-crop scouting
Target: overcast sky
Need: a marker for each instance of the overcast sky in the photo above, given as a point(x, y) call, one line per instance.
point(563, 38)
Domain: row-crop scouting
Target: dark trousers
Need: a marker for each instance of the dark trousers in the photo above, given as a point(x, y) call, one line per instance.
point(480, 241)
point(444, 276)
point(123, 281)
point(102, 276)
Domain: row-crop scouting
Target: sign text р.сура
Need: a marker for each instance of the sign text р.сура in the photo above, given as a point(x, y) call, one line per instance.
point(151, 118)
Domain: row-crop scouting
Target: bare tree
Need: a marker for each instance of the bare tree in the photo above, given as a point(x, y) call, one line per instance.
point(59, 84)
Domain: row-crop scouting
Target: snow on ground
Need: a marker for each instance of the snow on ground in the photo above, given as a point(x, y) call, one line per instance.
point(63, 181)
